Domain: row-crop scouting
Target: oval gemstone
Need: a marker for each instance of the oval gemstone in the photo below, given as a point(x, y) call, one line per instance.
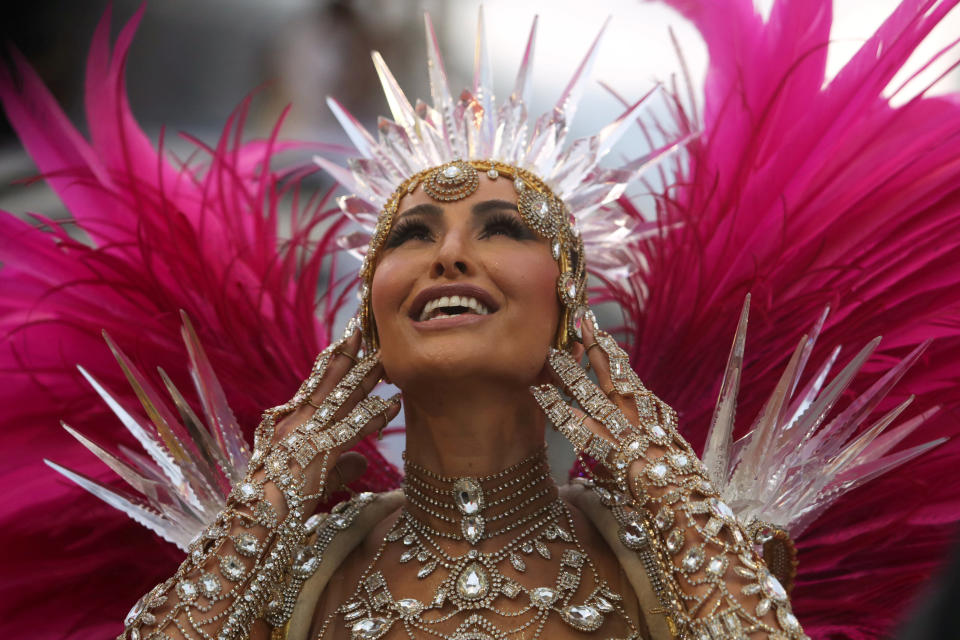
point(542, 596)
point(578, 317)
point(138, 608)
point(716, 566)
point(603, 604)
point(472, 527)
point(582, 617)
point(472, 583)
point(313, 522)
point(369, 628)
point(787, 620)
point(468, 496)
point(451, 171)
point(772, 587)
point(408, 607)
point(305, 562)
point(633, 535)
point(675, 541)
point(570, 288)
point(693, 559)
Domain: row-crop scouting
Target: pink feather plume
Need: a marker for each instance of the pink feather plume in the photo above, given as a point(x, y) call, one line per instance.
point(808, 191)
point(162, 236)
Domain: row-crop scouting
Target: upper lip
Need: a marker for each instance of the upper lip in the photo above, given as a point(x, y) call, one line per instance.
point(431, 293)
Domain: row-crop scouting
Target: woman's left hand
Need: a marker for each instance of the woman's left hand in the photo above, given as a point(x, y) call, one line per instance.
point(622, 424)
point(720, 583)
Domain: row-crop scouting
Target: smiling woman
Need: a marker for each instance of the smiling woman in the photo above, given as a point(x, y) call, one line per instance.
point(474, 305)
point(476, 229)
point(464, 293)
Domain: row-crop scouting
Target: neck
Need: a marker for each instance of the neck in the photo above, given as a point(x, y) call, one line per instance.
point(477, 508)
point(471, 429)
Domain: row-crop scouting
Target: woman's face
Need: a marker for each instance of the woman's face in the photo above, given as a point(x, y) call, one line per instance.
point(464, 289)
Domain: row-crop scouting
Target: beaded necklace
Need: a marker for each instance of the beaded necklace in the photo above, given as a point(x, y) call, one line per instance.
point(497, 607)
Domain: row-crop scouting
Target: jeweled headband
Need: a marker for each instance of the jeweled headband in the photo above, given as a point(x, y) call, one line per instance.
point(445, 147)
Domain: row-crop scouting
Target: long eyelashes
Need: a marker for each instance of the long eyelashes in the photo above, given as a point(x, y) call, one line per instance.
point(507, 225)
point(408, 229)
point(496, 224)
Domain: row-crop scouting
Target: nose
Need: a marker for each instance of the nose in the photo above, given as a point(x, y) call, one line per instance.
point(451, 260)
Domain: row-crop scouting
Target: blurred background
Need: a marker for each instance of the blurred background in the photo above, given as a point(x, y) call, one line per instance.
point(193, 61)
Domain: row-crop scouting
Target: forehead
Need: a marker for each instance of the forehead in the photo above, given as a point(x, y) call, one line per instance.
point(499, 189)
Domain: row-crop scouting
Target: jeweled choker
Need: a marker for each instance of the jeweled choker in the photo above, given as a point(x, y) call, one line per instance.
point(476, 509)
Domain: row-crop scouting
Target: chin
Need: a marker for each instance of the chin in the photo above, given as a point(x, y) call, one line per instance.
point(440, 362)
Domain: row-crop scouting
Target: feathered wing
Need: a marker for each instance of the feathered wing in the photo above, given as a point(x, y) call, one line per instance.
point(810, 192)
point(158, 236)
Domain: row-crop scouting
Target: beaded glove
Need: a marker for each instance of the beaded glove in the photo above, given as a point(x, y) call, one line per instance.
point(709, 579)
point(241, 569)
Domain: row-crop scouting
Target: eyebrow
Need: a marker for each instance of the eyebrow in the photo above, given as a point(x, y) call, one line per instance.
point(422, 209)
point(480, 208)
point(493, 205)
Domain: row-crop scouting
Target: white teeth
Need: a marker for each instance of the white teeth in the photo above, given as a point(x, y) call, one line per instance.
point(445, 302)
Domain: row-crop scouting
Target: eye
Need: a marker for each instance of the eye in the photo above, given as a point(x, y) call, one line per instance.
point(502, 224)
point(408, 230)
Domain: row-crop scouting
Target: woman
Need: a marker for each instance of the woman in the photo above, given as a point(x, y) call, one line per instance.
point(339, 583)
point(473, 304)
point(466, 311)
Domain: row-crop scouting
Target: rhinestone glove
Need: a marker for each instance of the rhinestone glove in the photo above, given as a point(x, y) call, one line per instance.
point(240, 571)
point(710, 581)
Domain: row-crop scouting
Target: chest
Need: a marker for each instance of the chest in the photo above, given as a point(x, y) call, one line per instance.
point(560, 582)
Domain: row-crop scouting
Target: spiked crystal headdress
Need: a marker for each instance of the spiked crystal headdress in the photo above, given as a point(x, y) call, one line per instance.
point(448, 146)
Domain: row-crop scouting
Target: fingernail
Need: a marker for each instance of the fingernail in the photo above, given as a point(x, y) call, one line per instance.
point(352, 325)
point(592, 321)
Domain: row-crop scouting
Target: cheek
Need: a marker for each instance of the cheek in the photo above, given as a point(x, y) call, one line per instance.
point(392, 281)
point(530, 281)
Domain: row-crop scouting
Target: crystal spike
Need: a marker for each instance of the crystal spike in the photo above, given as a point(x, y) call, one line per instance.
point(793, 463)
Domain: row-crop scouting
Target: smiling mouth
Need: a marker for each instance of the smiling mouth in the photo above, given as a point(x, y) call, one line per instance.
point(449, 306)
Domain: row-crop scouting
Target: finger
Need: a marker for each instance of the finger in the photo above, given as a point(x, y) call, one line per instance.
point(596, 357)
point(370, 415)
point(575, 380)
point(349, 467)
point(586, 434)
point(353, 386)
point(361, 381)
point(342, 358)
point(329, 368)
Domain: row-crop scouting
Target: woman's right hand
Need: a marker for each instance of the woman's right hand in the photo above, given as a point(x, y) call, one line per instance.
point(332, 411)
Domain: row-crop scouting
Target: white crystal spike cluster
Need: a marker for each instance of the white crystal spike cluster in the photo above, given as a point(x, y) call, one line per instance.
point(182, 483)
point(794, 463)
point(472, 127)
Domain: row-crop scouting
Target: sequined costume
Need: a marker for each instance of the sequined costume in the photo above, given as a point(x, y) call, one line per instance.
point(800, 190)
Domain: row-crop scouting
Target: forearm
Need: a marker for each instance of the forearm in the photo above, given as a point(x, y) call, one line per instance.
point(236, 581)
point(232, 575)
point(710, 581)
point(720, 579)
